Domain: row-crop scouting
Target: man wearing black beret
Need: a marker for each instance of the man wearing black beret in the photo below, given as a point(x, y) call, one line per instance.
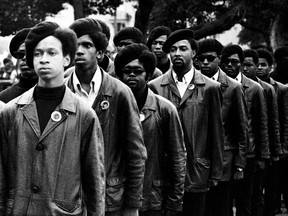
point(280, 73)
point(52, 150)
point(198, 100)
point(277, 173)
point(28, 78)
point(164, 178)
point(115, 105)
point(130, 35)
point(235, 127)
point(257, 146)
point(126, 36)
point(156, 39)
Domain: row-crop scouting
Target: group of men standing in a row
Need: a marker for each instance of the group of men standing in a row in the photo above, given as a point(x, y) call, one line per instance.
point(74, 140)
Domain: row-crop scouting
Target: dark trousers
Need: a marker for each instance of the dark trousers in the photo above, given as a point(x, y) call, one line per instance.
point(218, 200)
point(194, 204)
point(114, 213)
point(276, 183)
point(242, 190)
point(257, 203)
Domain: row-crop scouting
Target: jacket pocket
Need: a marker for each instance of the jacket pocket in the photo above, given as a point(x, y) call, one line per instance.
point(115, 192)
point(60, 207)
point(202, 172)
point(158, 193)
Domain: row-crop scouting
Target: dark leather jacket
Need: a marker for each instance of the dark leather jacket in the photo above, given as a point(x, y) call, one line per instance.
point(165, 166)
point(273, 118)
point(46, 174)
point(201, 117)
point(281, 91)
point(234, 114)
point(258, 144)
point(125, 153)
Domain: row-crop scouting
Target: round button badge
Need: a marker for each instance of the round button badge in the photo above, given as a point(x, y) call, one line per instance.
point(142, 117)
point(56, 116)
point(104, 105)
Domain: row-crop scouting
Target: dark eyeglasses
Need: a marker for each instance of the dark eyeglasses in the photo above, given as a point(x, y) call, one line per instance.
point(262, 64)
point(232, 61)
point(136, 71)
point(19, 54)
point(210, 58)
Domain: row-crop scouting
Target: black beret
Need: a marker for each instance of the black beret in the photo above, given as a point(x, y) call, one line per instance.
point(280, 52)
point(252, 53)
point(91, 27)
point(180, 34)
point(105, 28)
point(232, 49)
point(209, 45)
point(264, 53)
point(37, 33)
point(85, 26)
point(156, 33)
point(129, 33)
point(132, 52)
point(17, 40)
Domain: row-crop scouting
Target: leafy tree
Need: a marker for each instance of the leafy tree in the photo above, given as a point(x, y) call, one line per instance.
point(15, 15)
point(264, 21)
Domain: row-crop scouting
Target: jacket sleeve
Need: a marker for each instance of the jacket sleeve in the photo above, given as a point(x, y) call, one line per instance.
point(216, 133)
point(176, 152)
point(93, 173)
point(283, 118)
point(260, 122)
point(240, 108)
point(273, 124)
point(134, 150)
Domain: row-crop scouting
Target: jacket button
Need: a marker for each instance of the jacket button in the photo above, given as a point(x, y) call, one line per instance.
point(35, 189)
point(40, 147)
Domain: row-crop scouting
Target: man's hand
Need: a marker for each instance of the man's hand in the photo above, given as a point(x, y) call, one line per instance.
point(130, 212)
point(213, 183)
point(260, 164)
point(238, 174)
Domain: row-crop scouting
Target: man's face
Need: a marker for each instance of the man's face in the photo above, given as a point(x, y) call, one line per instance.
point(134, 76)
point(208, 63)
point(181, 55)
point(25, 70)
point(263, 68)
point(49, 62)
point(231, 65)
point(123, 43)
point(86, 54)
point(249, 68)
point(157, 45)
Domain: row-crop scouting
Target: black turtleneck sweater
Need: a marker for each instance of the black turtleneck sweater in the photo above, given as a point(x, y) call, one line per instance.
point(47, 99)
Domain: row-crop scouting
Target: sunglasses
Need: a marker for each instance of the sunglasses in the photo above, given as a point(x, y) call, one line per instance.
point(136, 71)
point(19, 54)
point(232, 61)
point(210, 58)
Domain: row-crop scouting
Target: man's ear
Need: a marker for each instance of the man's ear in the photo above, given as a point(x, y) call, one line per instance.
point(99, 54)
point(193, 53)
point(67, 60)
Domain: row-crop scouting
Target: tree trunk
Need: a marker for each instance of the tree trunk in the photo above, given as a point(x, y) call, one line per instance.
point(142, 17)
point(279, 33)
point(78, 9)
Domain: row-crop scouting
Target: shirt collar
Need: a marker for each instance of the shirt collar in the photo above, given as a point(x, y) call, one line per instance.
point(187, 78)
point(239, 77)
point(216, 76)
point(96, 80)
